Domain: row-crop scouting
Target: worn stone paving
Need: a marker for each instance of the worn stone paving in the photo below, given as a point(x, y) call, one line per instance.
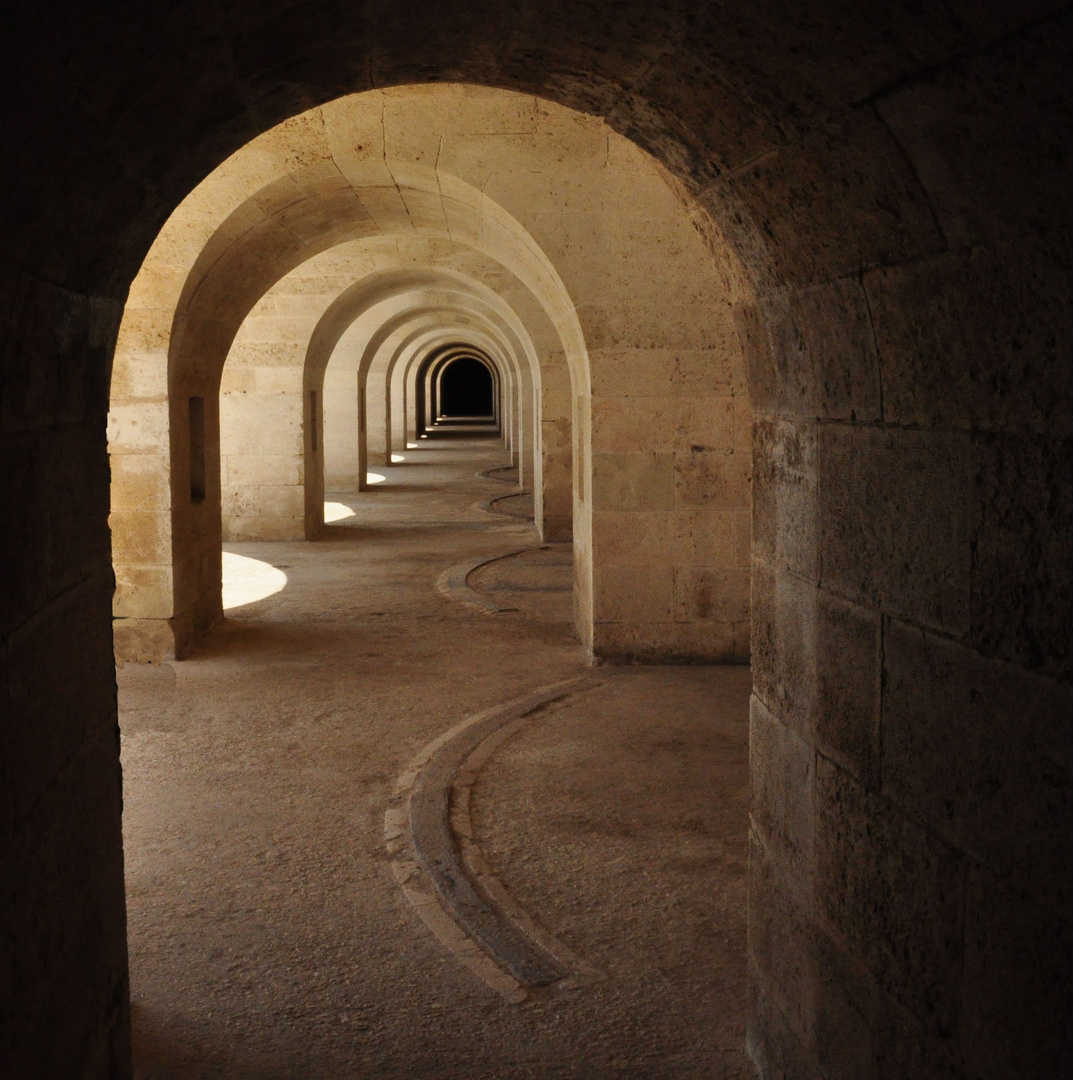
point(269, 937)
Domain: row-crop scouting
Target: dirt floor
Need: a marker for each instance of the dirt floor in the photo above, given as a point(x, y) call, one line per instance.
point(269, 938)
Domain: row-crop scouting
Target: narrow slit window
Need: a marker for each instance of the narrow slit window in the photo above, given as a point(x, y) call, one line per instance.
point(197, 449)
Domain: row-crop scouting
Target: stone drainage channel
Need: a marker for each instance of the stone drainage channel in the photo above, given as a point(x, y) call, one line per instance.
point(438, 863)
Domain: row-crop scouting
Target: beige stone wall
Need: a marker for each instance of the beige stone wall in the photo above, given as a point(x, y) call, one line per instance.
point(610, 255)
point(263, 444)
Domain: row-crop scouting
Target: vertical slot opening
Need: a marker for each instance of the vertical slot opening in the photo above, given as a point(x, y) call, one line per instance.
point(197, 449)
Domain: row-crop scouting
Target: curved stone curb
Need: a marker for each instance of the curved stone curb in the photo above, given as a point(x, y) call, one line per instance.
point(489, 506)
point(437, 862)
point(490, 474)
point(452, 582)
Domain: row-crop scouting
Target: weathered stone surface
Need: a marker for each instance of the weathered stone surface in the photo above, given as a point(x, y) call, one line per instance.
point(964, 755)
point(841, 198)
point(964, 342)
point(894, 893)
point(1018, 981)
point(784, 794)
point(785, 525)
point(896, 518)
point(1021, 567)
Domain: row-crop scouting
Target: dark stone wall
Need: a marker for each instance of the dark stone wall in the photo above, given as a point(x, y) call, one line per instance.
point(896, 179)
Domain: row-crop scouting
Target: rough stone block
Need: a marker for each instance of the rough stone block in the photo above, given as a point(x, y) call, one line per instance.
point(22, 553)
point(140, 482)
point(978, 339)
point(52, 717)
point(626, 595)
point(783, 795)
point(142, 592)
point(701, 593)
point(965, 743)
point(143, 641)
point(784, 639)
point(784, 510)
point(895, 511)
point(141, 537)
point(894, 892)
point(713, 539)
point(69, 957)
point(668, 643)
point(717, 480)
point(627, 425)
point(847, 678)
point(986, 177)
point(839, 199)
point(1018, 985)
point(634, 481)
point(836, 330)
point(1021, 560)
point(780, 941)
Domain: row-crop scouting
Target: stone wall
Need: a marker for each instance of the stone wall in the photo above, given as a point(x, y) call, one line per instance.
point(895, 180)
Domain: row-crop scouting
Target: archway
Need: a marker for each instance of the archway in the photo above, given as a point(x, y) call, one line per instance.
point(867, 166)
point(467, 390)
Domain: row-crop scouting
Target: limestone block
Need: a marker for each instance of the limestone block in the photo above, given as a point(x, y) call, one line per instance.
point(1018, 974)
point(138, 427)
point(894, 893)
point(700, 538)
point(836, 330)
point(846, 710)
point(702, 593)
point(783, 803)
point(965, 743)
point(785, 517)
point(636, 481)
point(49, 717)
point(622, 425)
point(985, 176)
point(816, 666)
point(142, 592)
point(630, 321)
point(650, 642)
point(237, 379)
point(143, 641)
point(265, 527)
point(143, 536)
point(75, 829)
point(838, 199)
point(895, 512)
point(623, 595)
point(272, 469)
point(764, 391)
point(717, 480)
point(825, 998)
point(138, 376)
point(651, 372)
point(285, 502)
point(140, 482)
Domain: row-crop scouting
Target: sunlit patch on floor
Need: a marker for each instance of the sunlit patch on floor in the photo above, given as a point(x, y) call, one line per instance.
point(334, 511)
point(247, 580)
point(398, 457)
point(374, 478)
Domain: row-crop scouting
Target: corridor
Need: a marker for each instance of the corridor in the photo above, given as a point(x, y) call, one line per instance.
point(270, 937)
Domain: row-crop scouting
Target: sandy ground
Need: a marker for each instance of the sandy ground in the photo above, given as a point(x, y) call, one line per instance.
point(269, 940)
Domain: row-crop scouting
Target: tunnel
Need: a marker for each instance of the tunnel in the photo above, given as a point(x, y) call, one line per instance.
point(466, 390)
point(778, 302)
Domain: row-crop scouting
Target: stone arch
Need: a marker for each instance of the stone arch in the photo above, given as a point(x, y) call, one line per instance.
point(472, 356)
point(882, 147)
